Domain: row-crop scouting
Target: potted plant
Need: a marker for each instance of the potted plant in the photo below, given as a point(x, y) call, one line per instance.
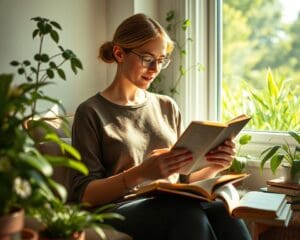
point(286, 155)
point(68, 221)
point(25, 174)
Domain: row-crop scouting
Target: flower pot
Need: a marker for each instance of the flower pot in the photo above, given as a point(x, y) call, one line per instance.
point(12, 224)
point(76, 236)
point(287, 173)
point(29, 234)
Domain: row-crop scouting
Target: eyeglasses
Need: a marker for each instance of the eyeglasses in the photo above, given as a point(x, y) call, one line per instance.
point(149, 61)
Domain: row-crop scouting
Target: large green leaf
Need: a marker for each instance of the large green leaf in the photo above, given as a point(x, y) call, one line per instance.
point(67, 162)
point(268, 153)
point(37, 161)
point(295, 135)
point(275, 162)
point(59, 189)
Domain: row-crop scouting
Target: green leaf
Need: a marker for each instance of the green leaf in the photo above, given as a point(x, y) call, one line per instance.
point(61, 48)
point(36, 19)
point(245, 139)
point(170, 16)
point(186, 23)
point(61, 73)
point(26, 63)
point(76, 62)
point(14, 63)
point(273, 89)
point(295, 135)
point(67, 54)
point(38, 162)
point(52, 64)
point(269, 152)
point(275, 162)
point(55, 24)
point(37, 57)
point(42, 27)
point(67, 162)
point(44, 57)
point(58, 188)
point(54, 35)
point(35, 33)
point(33, 69)
point(21, 71)
point(74, 69)
point(50, 73)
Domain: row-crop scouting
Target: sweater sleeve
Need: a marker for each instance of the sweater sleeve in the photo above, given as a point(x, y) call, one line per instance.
point(86, 138)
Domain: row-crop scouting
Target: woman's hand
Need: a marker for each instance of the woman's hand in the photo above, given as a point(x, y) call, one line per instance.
point(161, 163)
point(222, 155)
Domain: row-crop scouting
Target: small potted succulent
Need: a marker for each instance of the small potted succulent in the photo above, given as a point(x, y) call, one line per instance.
point(287, 155)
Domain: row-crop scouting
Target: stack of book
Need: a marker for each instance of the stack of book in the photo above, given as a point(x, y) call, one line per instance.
point(291, 189)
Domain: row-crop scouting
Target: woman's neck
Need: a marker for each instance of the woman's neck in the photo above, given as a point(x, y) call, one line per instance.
point(124, 94)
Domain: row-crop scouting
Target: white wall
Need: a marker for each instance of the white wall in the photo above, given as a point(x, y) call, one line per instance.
point(84, 29)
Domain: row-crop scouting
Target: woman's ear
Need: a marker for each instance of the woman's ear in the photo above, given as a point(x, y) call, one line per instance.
point(118, 53)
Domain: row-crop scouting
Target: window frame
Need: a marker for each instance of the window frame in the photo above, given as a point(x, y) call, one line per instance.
point(206, 18)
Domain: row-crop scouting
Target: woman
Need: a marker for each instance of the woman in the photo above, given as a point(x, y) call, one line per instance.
point(124, 135)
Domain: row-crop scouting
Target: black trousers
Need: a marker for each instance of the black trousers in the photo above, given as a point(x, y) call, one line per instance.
point(177, 218)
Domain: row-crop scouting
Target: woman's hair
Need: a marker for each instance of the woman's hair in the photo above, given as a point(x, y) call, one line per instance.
point(132, 33)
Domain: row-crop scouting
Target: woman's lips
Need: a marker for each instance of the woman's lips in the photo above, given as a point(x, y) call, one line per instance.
point(148, 78)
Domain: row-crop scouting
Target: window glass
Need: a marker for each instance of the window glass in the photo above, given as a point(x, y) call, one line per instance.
point(261, 63)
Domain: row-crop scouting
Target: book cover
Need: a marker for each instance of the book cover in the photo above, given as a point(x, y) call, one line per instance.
point(282, 220)
point(261, 205)
point(280, 182)
point(289, 198)
point(287, 191)
point(202, 136)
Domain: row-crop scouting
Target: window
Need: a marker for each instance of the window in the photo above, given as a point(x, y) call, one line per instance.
point(261, 63)
point(242, 44)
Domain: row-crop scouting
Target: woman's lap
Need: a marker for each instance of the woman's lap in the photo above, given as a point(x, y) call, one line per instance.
point(176, 217)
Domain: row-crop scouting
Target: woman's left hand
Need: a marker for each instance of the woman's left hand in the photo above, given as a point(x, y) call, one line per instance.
point(223, 154)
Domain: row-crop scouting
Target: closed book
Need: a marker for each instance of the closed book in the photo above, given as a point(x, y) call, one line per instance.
point(287, 191)
point(289, 198)
point(281, 182)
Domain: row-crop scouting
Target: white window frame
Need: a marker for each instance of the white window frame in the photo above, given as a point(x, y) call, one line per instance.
point(200, 92)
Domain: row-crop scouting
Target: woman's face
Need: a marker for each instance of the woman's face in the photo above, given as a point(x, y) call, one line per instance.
point(138, 66)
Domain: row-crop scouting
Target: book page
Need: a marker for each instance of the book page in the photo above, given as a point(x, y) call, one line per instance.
point(197, 138)
point(210, 185)
point(229, 195)
point(260, 203)
point(202, 136)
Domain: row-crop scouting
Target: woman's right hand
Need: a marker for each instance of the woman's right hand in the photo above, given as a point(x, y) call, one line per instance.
point(161, 163)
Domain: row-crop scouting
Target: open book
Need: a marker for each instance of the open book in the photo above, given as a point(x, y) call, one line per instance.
point(253, 205)
point(202, 136)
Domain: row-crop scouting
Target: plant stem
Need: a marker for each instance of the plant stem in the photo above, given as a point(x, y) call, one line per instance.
point(33, 109)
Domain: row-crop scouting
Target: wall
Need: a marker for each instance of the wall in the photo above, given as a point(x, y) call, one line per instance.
point(84, 29)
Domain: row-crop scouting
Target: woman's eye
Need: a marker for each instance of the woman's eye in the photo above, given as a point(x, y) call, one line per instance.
point(148, 59)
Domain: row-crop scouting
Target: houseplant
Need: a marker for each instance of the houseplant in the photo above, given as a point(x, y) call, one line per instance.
point(285, 154)
point(61, 221)
point(25, 174)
